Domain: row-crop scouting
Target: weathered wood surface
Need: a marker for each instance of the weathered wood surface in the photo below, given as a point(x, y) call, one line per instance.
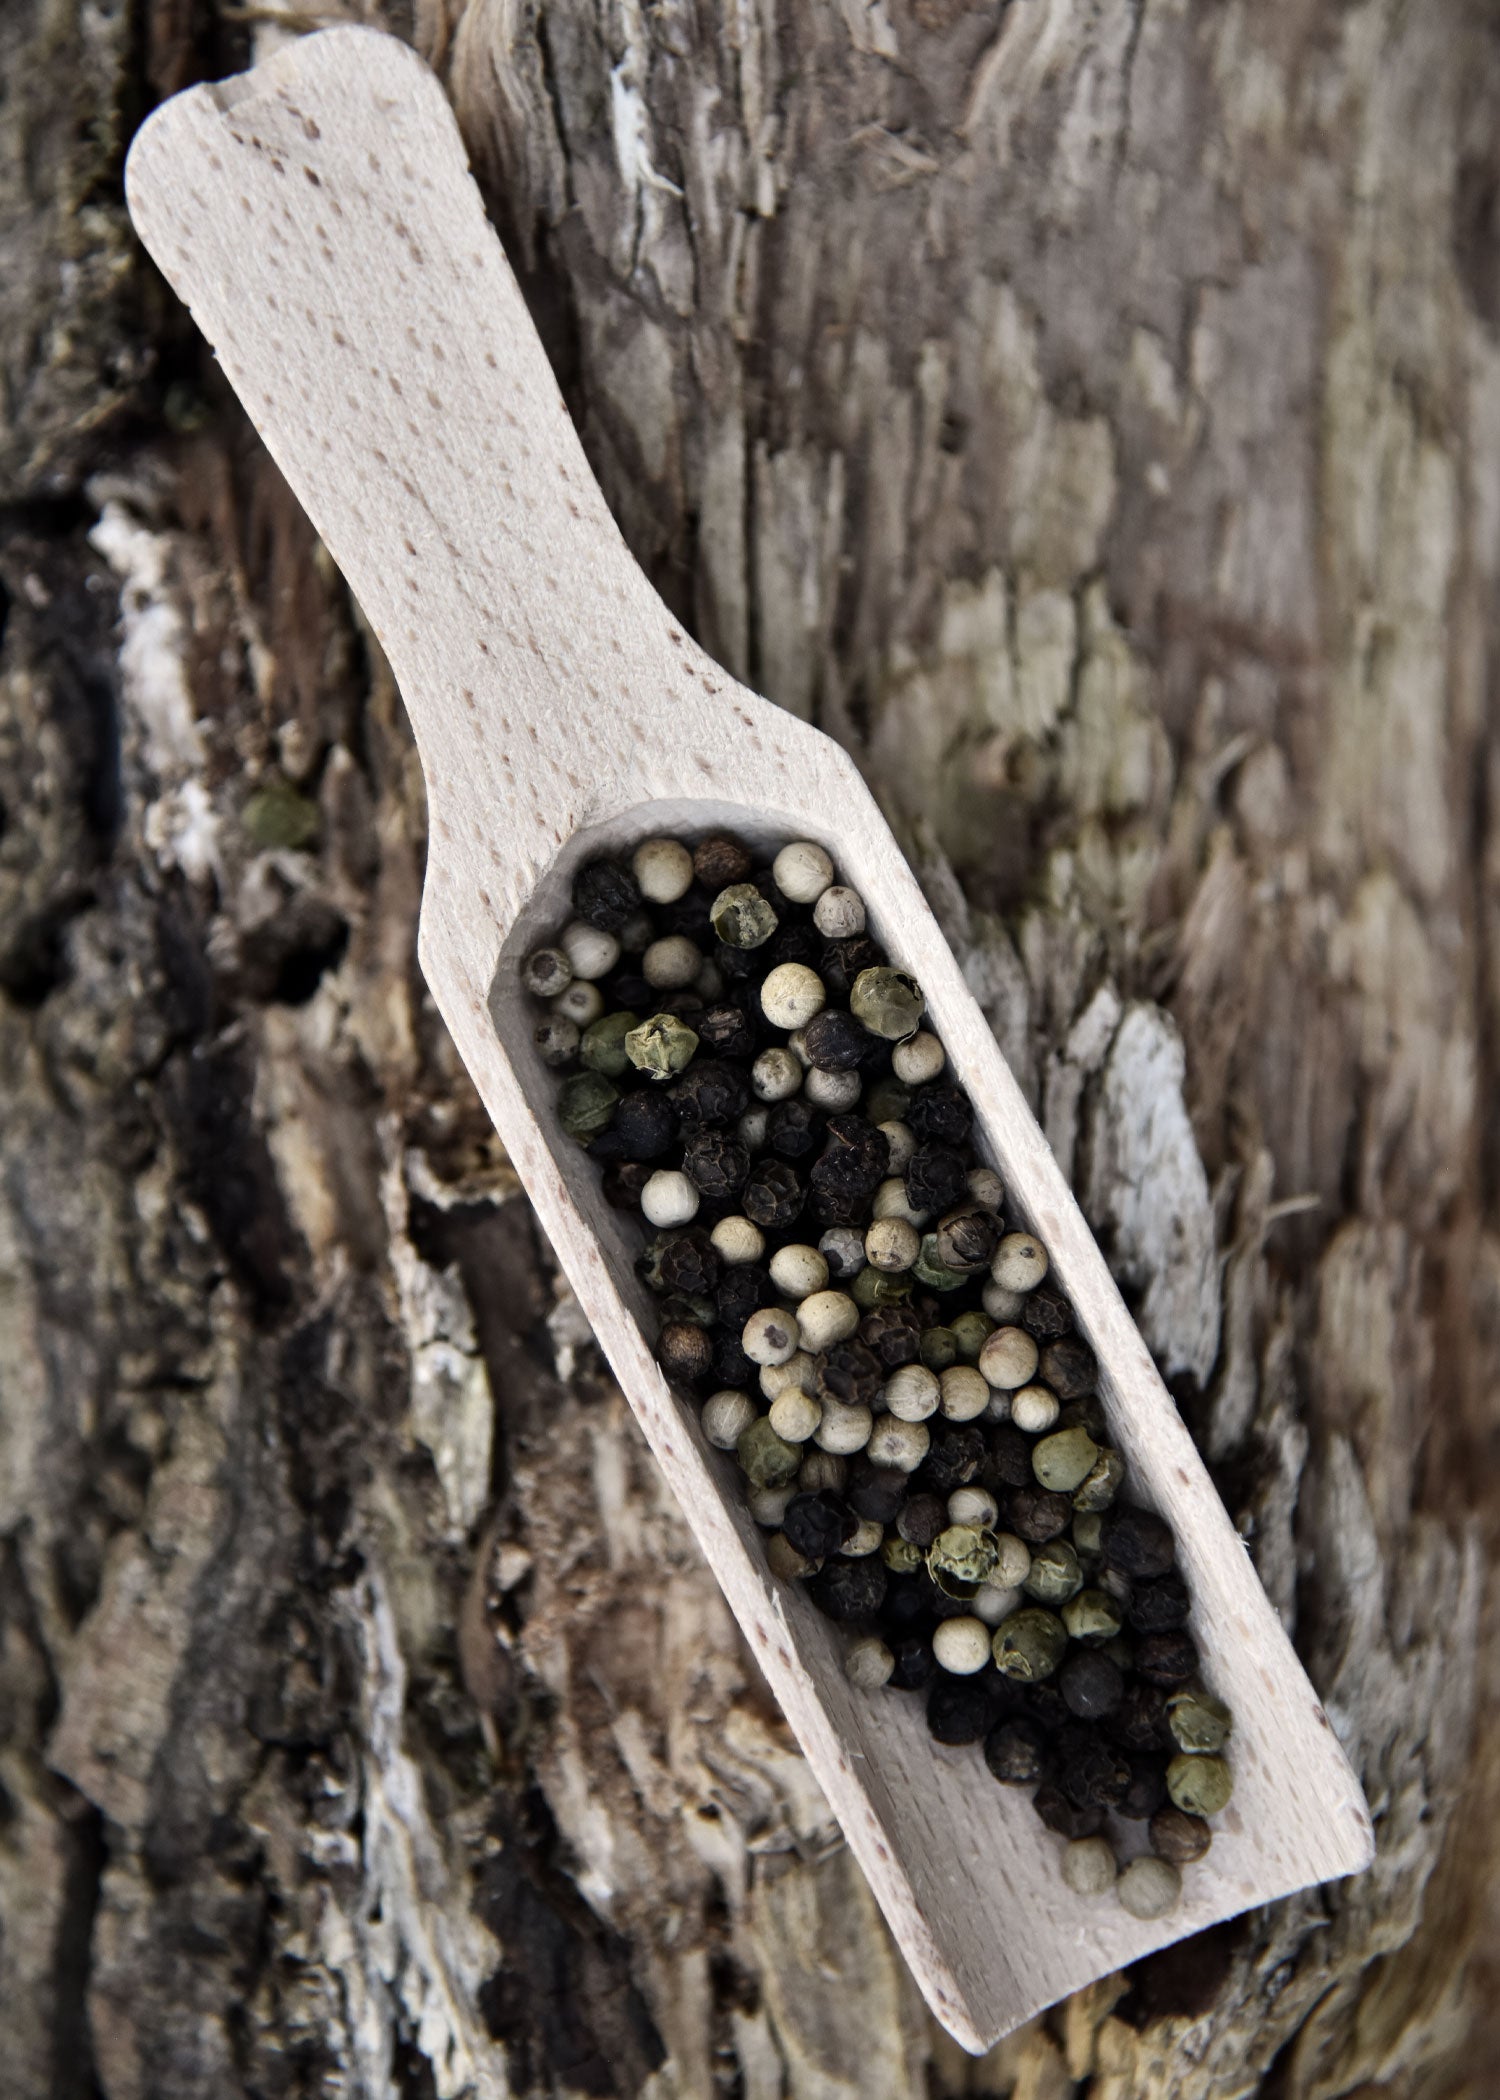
point(1093, 417)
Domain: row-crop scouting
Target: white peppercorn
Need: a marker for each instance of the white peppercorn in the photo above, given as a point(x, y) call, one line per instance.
point(1013, 1562)
point(868, 1537)
point(802, 871)
point(591, 952)
point(920, 1059)
point(799, 1370)
point(752, 1126)
point(964, 1393)
point(768, 1505)
point(1088, 1866)
point(869, 1663)
point(738, 1240)
point(900, 1445)
point(912, 1393)
point(546, 972)
point(795, 1415)
point(726, 1416)
point(844, 1430)
point(791, 995)
point(1149, 1887)
point(890, 1202)
point(902, 1141)
point(1034, 1409)
point(973, 1505)
point(671, 964)
point(839, 913)
point(995, 1606)
point(637, 933)
point(961, 1646)
point(669, 1198)
point(1008, 1359)
point(770, 1336)
point(775, 1075)
point(825, 1318)
point(581, 1003)
point(985, 1187)
point(1003, 1306)
point(798, 1271)
point(1020, 1262)
point(796, 1042)
point(557, 1039)
point(663, 869)
point(834, 1092)
point(892, 1245)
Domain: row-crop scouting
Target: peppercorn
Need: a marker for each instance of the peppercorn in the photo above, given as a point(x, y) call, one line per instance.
point(1030, 1644)
point(848, 1374)
point(892, 1333)
point(954, 1457)
point(606, 894)
point(971, 1330)
point(941, 1114)
point(961, 1644)
point(1179, 1837)
point(849, 1589)
point(687, 1261)
point(1099, 1487)
point(1017, 1751)
point(662, 1046)
point(1140, 1721)
point(1087, 1413)
point(839, 913)
point(869, 1663)
point(557, 1039)
point(716, 1163)
point(886, 1002)
point(1198, 1721)
point(922, 1519)
point(684, 1351)
point(1161, 1606)
point(1087, 1526)
point(1090, 1769)
point(623, 1184)
point(1008, 1361)
point(786, 1562)
point(740, 1291)
point(793, 1128)
point(586, 1104)
point(709, 1093)
point(900, 1444)
point(1069, 1367)
point(934, 1179)
point(1166, 1658)
point(1064, 1816)
point(1091, 1684)
point(840, 961)
point(834, 1040)
point(961, 1555)
point(692, 1307)
point(1033, 1408)
point(725, 1031)
point(1091, 1617)
point(1089, 1866)
point(1008, 1459)
point(960, 1709)
point(731, 1365)
point(1063, 1460)
point(1149, 1887)
point(643, 1128)
point(938, 1349)
point(853, 1160)
point(1199, 1785)
point(1037, 1515)
point(768, 1460)
point(965, 1238)
point(1045, 1314)
point(876, 1492)
point(721, 859)
point(773, 1196)
point(913, 1667)
point(1137, 1542)
point(818, 1524)
point(1054, 1575)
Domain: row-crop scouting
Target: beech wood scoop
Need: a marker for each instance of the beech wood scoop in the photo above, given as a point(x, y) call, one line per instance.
point(318, 216)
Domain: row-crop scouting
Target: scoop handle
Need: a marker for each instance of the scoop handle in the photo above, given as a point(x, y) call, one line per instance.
point(318, 216)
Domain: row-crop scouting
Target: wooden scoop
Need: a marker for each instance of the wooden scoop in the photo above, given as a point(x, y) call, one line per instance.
point(318, 216)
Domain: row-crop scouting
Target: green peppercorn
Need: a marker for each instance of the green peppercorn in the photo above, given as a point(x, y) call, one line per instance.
point(963, 1553)
point(888, 1002)
point(872, 1287)
point(900, 1555)
point(1098, 1488)
point(1092, 1617)
point(661, 1046)
point(768, 1460)
point(1198, 1721)
point(1063, 1460)
point(1029, 1645)
point(585, 1104)
point(741, 917)
point(971, 1330)
point(603, 1046)
point(928, 1270)
point(1054, 1575)
point(939, 1348)
point(1088, 1526)
point(1200, 1786)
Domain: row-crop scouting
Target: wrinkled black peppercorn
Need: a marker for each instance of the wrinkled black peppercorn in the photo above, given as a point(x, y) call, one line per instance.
point(936, 1178)
point(960, 1709)
point(893, 1333)
point(1069, 1367)
point(690, 1262)
point(953, 1457)
point(725, 1031)
point(716, 1163)
point(644, 1127)
point(875, 1492)
point(709, 1092)
point(1091, 1683)
point(731, 1365)
point(1065, 1816)
point(1016, 1751)
point(818, 1525)
point(849, 1374)
point(793, 1128)
point(940, 1114)
point(840, 962)
point(1136, 1541)
point(1088, 1767)
point(1139, 1723)
point(1166, 1658)
point(849, 1589)
point(854, 1159)
point(1159, 1607)
point(1007, 1462)
point(916, 1666)
point(1046, 1315)
point(835, 1041)
point(773, 1196)
point(606, 894)
point(1147, 1789)
point(742, 1290)
point(922, 1519)
point(1036, 1514)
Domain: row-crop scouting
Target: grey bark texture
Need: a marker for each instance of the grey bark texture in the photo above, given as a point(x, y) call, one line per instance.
point(1088, 411)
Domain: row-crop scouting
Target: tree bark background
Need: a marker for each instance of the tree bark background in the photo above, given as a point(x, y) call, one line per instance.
point(1089, 412)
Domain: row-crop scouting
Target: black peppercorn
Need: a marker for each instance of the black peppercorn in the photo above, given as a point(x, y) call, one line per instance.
point(849, 1374)
point(793, 1128)
point(606, 894)
point(628, 992)
point(818, 1525)
point(960, 1709)
point(1136, 1541)
point(830, 1207)
point(792, 943)
point(875, 1492)
point(936, 1178)
point(922, 1519)
point(1159, 1607)
point(1069, 1367)
point(1064, 1816)
point(916, 1665)
point(1007, 1462)
point(644, 1127)
point(1037, 1515)
point(742, 1289)
point(709, 1092)
point(854, 1159)
point(953, 1457)
point(1139, 1723)
point(732, 1367)
point(1147, 1789)
point(715, 1163)
point(720, 860)
point(1166, 1658)
point(623, 1184)
point(905, 1609)
point(840, 962)
point(1016, 1751)
point(725, 1031)
point(773, 1196)
point(834, 1040)
point(1046, 1314)
point(1046, 1705)
point(940, 1114)
point(1089, 1768)
point(1092, 1685)
point(849, 1589)
point(893, 1333)
point(688, 915)
point(684, 1351)
point(689, 1262)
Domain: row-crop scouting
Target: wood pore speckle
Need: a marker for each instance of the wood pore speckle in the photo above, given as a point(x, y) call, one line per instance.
point(952, 1858)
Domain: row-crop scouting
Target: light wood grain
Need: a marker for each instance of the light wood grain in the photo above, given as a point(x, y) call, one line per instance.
point(318, 217)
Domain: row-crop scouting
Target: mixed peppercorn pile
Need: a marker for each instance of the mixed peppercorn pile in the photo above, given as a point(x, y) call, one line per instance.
point(884, 1352)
